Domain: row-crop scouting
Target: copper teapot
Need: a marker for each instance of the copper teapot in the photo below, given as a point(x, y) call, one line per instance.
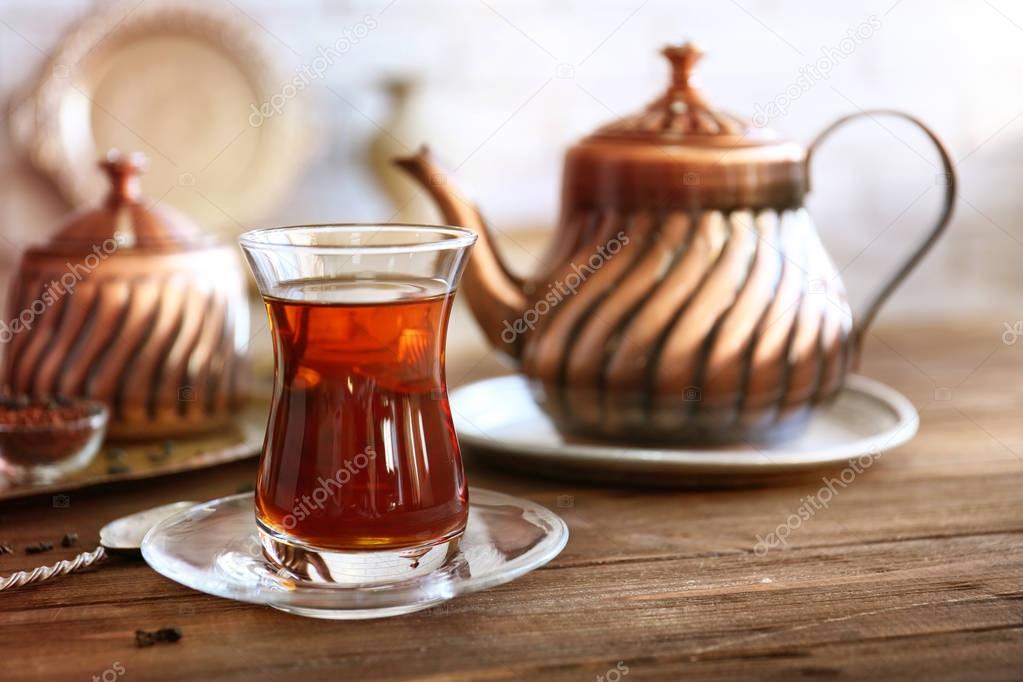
point(686, 295)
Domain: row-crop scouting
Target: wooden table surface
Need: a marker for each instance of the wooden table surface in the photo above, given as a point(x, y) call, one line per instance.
point(914, 571)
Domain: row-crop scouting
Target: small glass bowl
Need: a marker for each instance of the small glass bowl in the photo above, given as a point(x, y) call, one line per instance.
point(44, 440)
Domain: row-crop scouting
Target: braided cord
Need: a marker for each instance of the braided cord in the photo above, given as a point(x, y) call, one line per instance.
point(38, 575)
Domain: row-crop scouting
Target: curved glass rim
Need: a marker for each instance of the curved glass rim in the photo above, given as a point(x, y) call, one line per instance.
point(451, 237)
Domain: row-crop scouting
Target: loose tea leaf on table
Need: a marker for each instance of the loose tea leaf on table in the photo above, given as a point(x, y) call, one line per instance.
point(39, 548)
point(144, 638)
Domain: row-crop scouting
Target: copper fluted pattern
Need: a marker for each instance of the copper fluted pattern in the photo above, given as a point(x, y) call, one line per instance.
point(661, 118)
point(694, 325)
point(164, 349)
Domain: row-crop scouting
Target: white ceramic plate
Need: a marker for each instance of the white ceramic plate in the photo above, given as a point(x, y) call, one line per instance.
point(499, 420)
point(187, 85)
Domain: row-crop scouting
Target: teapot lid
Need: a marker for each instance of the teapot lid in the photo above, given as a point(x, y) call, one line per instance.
point(681, 150)
point(126, 217)
point(682, 114)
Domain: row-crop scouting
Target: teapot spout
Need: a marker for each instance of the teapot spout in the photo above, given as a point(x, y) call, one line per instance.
point(495, 294)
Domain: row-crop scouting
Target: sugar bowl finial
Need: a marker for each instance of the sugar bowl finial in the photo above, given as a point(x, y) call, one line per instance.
point(124, 171)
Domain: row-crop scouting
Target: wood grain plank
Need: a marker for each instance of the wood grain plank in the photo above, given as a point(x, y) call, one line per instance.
point(912, 571)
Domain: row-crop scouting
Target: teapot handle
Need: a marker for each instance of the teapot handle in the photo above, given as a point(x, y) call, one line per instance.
point(860, 327)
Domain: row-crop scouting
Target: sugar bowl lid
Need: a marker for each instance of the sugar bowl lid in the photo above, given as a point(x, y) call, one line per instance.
point(681, 150)
point(125, 216)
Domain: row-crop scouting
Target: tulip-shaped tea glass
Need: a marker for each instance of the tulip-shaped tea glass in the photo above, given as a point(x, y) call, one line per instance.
point(360, 479)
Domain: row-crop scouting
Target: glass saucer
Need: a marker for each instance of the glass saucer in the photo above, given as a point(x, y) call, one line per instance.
point(215, 548)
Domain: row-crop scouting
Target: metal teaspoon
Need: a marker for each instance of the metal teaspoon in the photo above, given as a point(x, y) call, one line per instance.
point(122, 536)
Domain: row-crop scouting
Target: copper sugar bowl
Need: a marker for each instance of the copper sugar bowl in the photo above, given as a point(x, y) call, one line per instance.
point(130, 304)
point(686, 295)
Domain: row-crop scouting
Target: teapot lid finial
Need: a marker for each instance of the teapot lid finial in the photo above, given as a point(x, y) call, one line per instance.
point(683, 59)
point(682, 97)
